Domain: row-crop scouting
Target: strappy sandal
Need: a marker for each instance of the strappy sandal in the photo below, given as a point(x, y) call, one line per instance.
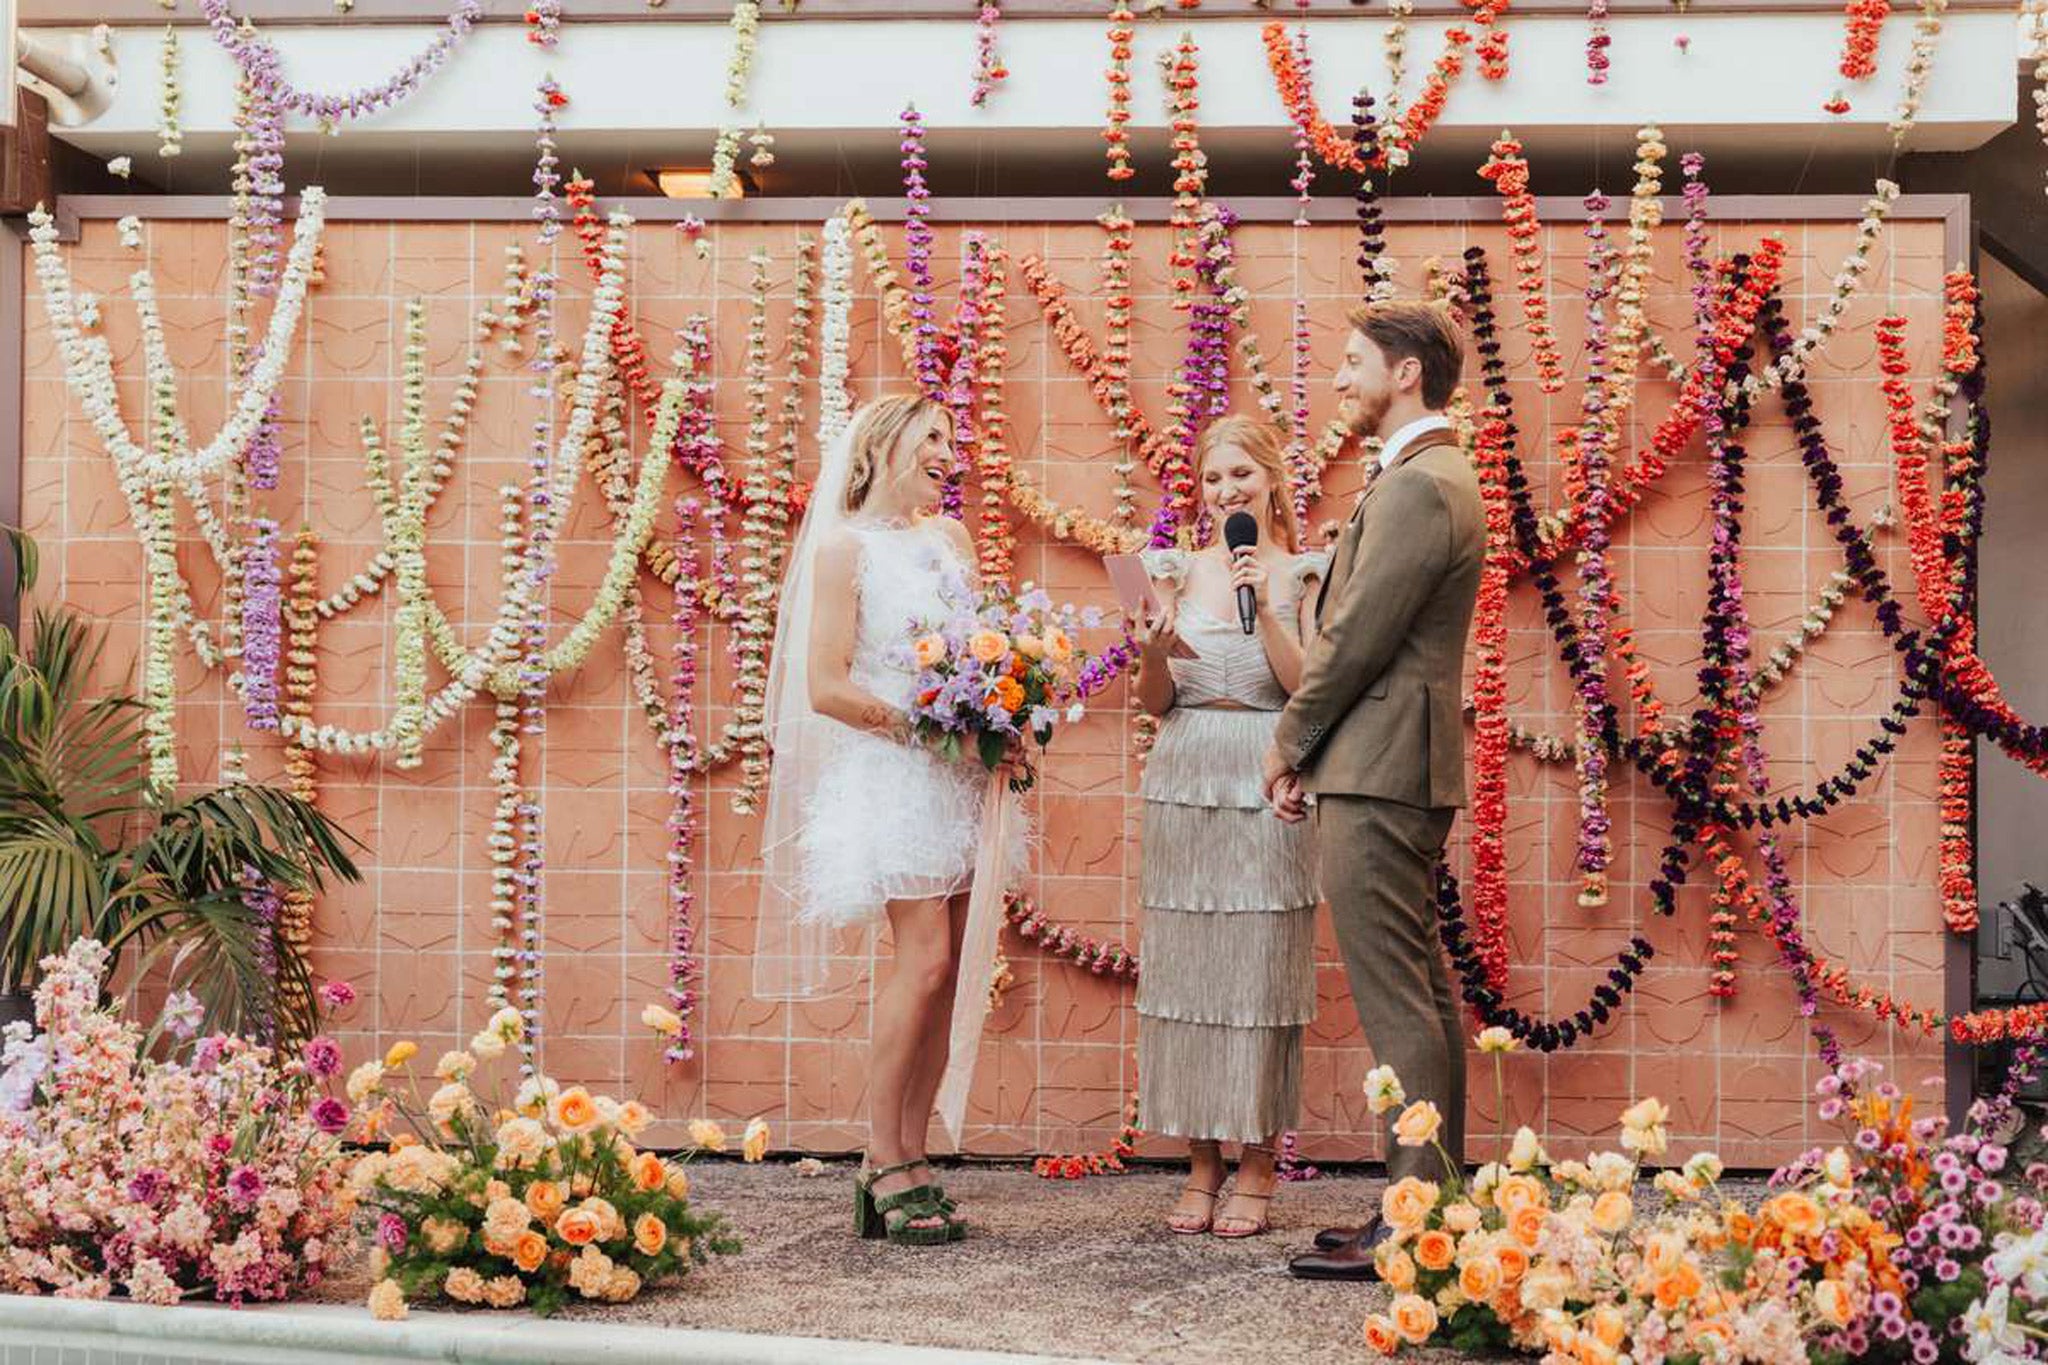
point(1208, 1219)
point(1250, 1227)
point(895, 1216)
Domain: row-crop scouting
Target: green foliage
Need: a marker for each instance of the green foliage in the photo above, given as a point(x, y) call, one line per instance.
point(1473, 1330)
point(87, 850)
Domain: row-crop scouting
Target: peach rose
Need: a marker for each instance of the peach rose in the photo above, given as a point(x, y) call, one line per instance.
point(1610, 1328)
point(754, 1142)
point(578, 1227)
point(679, 1182)
point(504, 1291)
point(1030, 646)
point(1059, 645)
point(545, 1199)
point(1663, 1252)
point(1396, 1267)
point(1673, 1289)
point(706, 1134)
point(1414, 1318)
point(1462, 1217)
point(1407, 1202)
point(1613, 1211)
point(987, 645)
point(1518, 1191)
point(647, 1172)
point(650, 1235)
point(1478, 1278)
point(1380, 1336)
point(1525, 1225)
point(1435, 1250)
point(1833, 1301)
point(609, 1224)
point(464, 1285)
point(1514, 1262)
point(634, 1118)
point(1797, 1213)
point(1418, 1125)
point(573, 1111)
point(929, 649)
point(529, 1250)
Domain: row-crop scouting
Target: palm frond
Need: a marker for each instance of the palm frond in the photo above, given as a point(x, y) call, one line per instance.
point(53, 889)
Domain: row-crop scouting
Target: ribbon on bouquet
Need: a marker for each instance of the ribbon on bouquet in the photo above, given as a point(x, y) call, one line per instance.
point(977, 953)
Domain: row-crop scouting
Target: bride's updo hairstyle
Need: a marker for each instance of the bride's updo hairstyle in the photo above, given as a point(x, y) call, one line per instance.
point(878, 430)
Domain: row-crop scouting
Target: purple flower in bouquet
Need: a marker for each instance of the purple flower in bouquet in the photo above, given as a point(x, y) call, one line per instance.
point(245, 1185)
point(323, 1057)
point(146, 1185)
point(337, 995)
point(391, 1233)
point(207, 1054)
point(330, 1115)
point(183, 1014)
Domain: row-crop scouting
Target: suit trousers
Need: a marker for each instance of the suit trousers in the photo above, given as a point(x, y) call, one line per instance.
point(1378, 861)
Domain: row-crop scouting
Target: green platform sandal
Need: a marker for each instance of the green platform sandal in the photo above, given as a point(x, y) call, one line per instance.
point(948, 1210)
point(892, 1215)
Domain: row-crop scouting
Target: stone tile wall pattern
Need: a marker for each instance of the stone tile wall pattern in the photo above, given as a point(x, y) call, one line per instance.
point(416, 937)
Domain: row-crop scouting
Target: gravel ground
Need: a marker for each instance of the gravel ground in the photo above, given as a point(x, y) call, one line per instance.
point(1081, 1269)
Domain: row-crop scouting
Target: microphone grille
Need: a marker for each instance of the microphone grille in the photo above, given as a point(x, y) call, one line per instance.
point(1240, 528)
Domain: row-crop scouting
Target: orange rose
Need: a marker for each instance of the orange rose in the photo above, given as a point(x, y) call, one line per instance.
point(648, 1172)
point(1609, 1327)
point(609, 1224)
point(1833, 1301)
point(1006, 694)
point(545, 1198)
point(1435, 1250)
point(573, 1111)
point(1478, 1278)
point(1396, 1267)
point(1414, 1318)
point(1407, 1202)
point(1380, 1336)
point(1613, 1211)
point(987, 645)
point(1741, 1226)
point(929, 650)
point(578, 1227)
point(1525, 1225)
point(1797, 1213)
point(529, 1250)
point(650, 1234)
point(1514, 1262)
point(1675, 1288)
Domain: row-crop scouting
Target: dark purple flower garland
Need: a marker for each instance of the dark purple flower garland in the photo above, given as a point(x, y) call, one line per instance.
point(1203, 390)
point(1372, 227)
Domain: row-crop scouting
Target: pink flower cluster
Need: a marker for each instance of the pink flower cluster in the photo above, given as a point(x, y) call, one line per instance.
point(218, 1175)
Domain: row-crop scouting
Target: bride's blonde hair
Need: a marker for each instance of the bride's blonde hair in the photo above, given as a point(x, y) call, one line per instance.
point(878, 430)
point(1259, 440)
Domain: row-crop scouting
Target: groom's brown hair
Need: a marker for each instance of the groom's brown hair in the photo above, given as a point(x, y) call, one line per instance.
point(1402, 328)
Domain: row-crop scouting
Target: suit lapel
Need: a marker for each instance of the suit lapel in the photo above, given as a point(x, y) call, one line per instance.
point(1345, 553)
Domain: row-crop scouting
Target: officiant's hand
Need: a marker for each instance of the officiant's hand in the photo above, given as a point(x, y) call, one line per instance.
point(1156, 631)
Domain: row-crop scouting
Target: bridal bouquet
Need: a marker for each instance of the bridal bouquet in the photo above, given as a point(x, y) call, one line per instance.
point(996, 671)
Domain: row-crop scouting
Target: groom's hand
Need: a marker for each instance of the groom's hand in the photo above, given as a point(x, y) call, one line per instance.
point(1282, 787)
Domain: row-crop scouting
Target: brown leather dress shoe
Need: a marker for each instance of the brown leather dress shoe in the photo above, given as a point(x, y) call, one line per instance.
point(1329, 1239)
point(1351, 1260)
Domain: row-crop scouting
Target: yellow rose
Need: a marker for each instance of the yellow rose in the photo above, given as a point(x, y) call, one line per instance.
point(1396, 1267)
point(929, 650)
point(1496, 1040)
point(650, 1235)
point(664, 1022)
point(1478, 1278)
point(1435, 1249)
point(1380, 1336)
point(754, 1144)
point(573, 1111)
point(1418, 1125)
point(1407, 1202)
point(578, 1227)
point(1414, 1318)
point(1613, 1211)
point(708, 1135)
point(987, 645)
point(387, 1302)
point(400, 1054)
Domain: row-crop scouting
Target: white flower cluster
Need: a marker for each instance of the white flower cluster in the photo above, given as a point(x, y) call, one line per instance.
point(835, 331)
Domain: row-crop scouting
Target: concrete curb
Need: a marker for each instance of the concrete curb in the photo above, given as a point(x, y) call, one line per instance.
point(44, 1331)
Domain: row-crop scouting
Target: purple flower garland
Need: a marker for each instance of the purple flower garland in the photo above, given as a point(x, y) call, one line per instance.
point(1202, 391)
point(1596, 583)
point(262, 625)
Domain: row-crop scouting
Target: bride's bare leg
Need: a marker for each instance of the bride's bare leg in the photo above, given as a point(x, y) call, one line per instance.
point(921, 979)
point(930, 1067)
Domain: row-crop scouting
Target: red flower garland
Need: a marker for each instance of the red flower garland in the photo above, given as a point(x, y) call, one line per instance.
point(1859, 38)
point(1109, 1161)
point(1119, 75)
point(1489, 700)
point(1509, 174)
point(1190, 169)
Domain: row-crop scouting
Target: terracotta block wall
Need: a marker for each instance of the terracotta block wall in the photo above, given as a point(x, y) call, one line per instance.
point(416, 934)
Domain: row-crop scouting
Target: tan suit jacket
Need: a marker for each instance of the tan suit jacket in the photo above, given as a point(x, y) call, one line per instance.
point(1379, 710)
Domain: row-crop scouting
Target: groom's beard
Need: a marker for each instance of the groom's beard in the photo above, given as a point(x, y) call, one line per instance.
point(1368, 413)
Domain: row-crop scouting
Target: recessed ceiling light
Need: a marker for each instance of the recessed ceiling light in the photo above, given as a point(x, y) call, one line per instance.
point(693, 182)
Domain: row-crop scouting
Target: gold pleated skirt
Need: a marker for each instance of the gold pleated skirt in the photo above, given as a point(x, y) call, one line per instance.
point(1228, 940)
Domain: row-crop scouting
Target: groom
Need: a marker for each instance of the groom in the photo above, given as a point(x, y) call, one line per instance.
point(1375, 729)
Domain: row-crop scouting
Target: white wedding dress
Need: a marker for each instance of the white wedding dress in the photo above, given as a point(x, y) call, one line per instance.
point(885, 820)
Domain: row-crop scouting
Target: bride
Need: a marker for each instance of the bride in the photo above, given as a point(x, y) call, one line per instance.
point(862, 822)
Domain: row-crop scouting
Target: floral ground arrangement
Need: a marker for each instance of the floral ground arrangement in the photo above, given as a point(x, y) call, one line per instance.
point(165, 1165)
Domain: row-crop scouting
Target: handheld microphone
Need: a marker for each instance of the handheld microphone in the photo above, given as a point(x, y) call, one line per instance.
point(1241, 529)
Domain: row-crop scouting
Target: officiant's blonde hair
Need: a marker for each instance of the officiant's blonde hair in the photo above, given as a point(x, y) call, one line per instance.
point(878, 430)
point(1260, 440)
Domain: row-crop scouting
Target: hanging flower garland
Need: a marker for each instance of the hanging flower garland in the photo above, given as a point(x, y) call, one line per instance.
point(262, 627)
point(895, 299)
point(2036, 12)
point(1598, 40)
point(996, 546)
point(1114, 389)
point(789, 441)
point(1108, 1161)
point(544, 23)
point(1509, 175)
point(1117, 141)
point(745, 26)
point(750, 685)
point(835, 331)
point(989, 71)
point(257, 54)
point(1919, 69)
point(170, 97)
point(1596, 587)
point(959, 390)
point(547, 206)
point(917, 263)
point(1865, 23)
point(1394, 45)
point(295, 914)
point(1190, 165)
point(682, 754)
point(1373, 261)
point(1107, 374)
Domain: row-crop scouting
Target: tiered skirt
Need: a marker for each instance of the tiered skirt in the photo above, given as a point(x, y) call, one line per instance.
point(1228, 940)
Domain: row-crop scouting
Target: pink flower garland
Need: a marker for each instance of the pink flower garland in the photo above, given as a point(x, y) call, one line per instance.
point(1596, 586)
point(989, 71)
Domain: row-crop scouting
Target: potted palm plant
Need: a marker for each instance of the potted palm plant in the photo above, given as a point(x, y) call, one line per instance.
point(88, 849)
